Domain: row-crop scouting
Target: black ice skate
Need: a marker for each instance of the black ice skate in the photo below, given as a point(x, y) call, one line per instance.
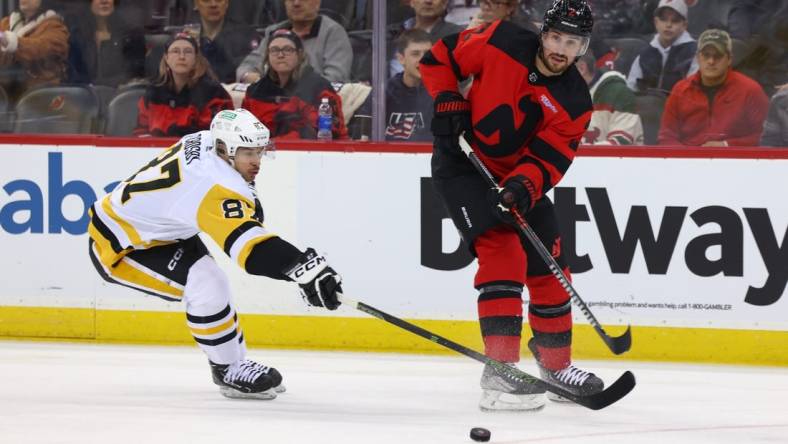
point(500, 393)
point(247, 380)
point(571, 379)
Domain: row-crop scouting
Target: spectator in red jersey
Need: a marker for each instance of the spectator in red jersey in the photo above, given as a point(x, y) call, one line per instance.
point(186, 95)
point(33, 47)
point(286, 97)
point(717, 106)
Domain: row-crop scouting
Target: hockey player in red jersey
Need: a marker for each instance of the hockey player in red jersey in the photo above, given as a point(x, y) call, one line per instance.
point(524, 116)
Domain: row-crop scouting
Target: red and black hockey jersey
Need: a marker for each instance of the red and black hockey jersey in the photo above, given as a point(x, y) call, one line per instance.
point(163, 112)
point(524, 123)
point(291, 112)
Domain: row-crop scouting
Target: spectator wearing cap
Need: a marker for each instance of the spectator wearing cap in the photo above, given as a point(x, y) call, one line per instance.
point(326, 43)
point(105, 48)
point(223, 41)
point(775, 128)
point(288, 94)
point(186, 95)
point(717, 106)
point(615, 120)
point(33, 48)
point(670, 55)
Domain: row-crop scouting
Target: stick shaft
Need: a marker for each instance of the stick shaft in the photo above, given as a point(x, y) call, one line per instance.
point(616, 345)
point(616, 391)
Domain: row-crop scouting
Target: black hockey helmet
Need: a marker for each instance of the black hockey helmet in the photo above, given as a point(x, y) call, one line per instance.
point(570, 16)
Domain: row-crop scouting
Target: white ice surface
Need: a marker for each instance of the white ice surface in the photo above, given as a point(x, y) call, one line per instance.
point(86, 393)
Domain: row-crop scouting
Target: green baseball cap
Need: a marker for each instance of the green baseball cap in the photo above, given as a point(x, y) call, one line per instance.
point(717, 38)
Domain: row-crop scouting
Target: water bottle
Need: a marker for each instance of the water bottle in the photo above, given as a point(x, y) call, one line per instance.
point(325, 118)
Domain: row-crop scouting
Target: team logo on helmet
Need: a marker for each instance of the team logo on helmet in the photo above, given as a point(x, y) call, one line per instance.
point(573, 16)
point(229, 115)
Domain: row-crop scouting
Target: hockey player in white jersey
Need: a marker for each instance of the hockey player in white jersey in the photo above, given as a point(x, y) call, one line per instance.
point(144, 235)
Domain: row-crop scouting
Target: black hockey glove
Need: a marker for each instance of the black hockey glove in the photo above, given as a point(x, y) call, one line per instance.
point(452, 118)
point(513, 196)
point(319, 283)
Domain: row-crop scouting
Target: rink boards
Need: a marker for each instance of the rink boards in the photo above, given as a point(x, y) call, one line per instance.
point(689, 250)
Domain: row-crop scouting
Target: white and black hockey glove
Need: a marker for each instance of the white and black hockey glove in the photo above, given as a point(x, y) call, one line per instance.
point(319, 283)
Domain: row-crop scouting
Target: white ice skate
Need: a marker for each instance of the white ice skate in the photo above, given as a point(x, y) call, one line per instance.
point(500, 393)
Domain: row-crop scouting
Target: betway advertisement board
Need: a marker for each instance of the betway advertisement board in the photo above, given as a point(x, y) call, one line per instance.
point(652, 241)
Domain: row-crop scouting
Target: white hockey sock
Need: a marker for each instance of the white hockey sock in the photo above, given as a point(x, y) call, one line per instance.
point(210, 314)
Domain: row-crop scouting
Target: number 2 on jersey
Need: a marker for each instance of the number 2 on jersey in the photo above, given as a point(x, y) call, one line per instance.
point(171, 175)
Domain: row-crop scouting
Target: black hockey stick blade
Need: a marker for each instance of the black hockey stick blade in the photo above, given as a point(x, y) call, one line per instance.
point(623, 385)
point(618, 344)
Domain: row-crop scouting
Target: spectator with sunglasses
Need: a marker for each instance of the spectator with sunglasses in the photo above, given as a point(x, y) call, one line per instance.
point(287, 95)
point(186, 95)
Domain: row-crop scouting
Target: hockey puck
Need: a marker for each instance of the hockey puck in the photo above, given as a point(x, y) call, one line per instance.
point(480, 434)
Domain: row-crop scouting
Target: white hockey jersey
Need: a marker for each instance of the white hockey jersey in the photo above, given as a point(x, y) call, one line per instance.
point(185, 190)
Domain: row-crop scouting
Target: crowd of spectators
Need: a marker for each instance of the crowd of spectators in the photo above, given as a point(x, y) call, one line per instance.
point(668, 72)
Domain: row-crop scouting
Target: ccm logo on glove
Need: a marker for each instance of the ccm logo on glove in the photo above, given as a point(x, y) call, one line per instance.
point(319, 283)
point(312, 264)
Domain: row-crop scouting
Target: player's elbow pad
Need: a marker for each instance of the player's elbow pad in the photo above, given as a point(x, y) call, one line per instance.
point(270, 257)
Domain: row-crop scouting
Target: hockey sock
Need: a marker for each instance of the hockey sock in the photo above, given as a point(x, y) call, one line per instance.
point(500, 306)
point(550, 318)
point(210, 315)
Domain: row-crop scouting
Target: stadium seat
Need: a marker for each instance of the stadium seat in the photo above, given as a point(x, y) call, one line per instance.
point(650, 107)
point(154, 50)
point(57, 110)
point(104, 94)
point(361, 42)
point(628, 48)
point(122, 112)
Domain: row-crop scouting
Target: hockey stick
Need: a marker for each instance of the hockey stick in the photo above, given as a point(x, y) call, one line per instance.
point(618, 344)
point(623, 385)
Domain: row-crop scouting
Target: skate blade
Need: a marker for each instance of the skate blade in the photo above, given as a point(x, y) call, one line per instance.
point(495, 401)
point(556, 398)
point(280, 388)
point(229, 392)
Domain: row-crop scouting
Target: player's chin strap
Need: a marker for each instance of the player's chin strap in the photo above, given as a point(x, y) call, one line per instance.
point(623, 385)
point(618, 344)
